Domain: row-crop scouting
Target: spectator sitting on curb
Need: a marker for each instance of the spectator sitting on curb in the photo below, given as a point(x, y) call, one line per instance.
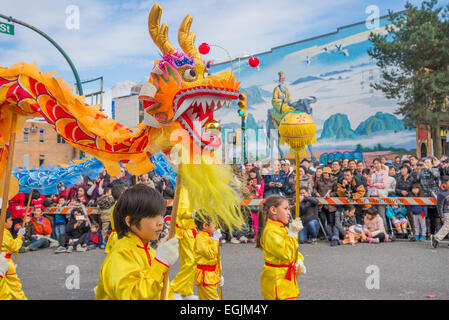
point(93, 239)
point(374, 227)
point(42, 230)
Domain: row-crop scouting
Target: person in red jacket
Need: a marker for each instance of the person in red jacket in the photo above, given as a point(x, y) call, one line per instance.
point(42, 229)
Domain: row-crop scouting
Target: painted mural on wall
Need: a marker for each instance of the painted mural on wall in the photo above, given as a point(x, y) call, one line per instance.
point(328, 77)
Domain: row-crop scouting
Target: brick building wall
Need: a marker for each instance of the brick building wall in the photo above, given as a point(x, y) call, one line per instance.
point(38, 143)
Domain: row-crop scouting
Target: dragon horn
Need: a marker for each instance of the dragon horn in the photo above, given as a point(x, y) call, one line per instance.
point(159, 35)
point(186, 38)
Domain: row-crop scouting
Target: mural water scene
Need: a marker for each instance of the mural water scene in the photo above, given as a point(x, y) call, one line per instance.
point(328, 77)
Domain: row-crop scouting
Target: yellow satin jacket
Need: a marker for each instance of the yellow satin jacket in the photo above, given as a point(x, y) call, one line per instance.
point(206, 257)
point(280, 252)
point(185, 225)
point(131, 272)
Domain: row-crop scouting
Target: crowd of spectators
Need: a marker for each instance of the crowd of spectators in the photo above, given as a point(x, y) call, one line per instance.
point(405, 176)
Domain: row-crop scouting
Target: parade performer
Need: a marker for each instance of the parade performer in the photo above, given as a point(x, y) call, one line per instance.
point(4, 267)
point(134, 270)
point(279, 243)
point(206, 252)
point(186, 232)
point(9, 246)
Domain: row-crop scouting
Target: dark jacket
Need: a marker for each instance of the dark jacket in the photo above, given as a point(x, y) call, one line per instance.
point(323, 186)
point(355, 188)
point(404, 184)
point(343, 222)
point(274, 178)
point(169, 191)
point(442, 202)
point(308, 210)
point(428, 178)
point(417, 210)
point(75, 233)
point(95, 239)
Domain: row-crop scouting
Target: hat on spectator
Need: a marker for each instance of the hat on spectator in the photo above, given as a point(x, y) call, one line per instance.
point(389, 162)
point(167, 219)
point(327, 170)
point(285, 162)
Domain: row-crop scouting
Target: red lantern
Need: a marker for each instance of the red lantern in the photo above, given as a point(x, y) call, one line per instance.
point(253, 62)
point(204, 48)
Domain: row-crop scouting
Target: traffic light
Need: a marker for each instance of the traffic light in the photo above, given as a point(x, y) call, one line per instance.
point(242, 105)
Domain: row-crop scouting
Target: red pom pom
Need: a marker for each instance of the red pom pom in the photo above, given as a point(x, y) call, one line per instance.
point(204, 48)
point(253, 62)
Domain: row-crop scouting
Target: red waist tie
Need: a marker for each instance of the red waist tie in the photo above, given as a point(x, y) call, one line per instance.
point(113, 230)
point(8, 256)
point(291, 271)
point(206, 267)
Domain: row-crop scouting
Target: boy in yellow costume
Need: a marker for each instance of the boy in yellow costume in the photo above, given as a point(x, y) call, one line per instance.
point(9, 246)
point(4, 267)
point(133, 270)
point(183, 283)
point(283, 262)
point(206, 256)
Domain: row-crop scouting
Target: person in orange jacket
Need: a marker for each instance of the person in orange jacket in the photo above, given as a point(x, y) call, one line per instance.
point(42, 229)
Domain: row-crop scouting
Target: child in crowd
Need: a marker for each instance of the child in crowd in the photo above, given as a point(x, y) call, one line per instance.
point(76, 231)
point(419, 214)
point(398, 216)
point(93, 238)
point(206, 253)
point(9, 246)
point(279, 244)
point(106, 205)
point(134, 270)
point(60, 219)
point(374, 227)
point(346, 227)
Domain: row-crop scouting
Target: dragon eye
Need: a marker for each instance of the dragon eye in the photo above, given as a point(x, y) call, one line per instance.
point(190, 74)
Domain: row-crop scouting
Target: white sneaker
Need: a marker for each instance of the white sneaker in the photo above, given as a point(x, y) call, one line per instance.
point(177, 296)
point(79, 248)
point(191, 297)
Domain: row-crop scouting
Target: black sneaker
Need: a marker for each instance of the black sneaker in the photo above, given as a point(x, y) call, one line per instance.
point(433, 242)
point(334, 242)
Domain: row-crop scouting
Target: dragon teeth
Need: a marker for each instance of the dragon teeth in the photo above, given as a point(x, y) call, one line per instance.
point(182, 108)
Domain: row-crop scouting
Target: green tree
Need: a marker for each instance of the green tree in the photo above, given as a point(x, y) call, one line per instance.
point(414, 61)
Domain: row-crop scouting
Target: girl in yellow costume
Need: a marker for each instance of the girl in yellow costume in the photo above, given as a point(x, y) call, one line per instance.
point(4, 267)
point(133, 270)
point(206, 256)
point(283, 262)
point(9, 246)
point(183, 283)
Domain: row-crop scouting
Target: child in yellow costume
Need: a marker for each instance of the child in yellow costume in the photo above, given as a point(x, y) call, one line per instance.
point(4, 267)
point(283, 262)
point(133, 270)
point(183, 283)
point(117, 190)
point(206, 256)
point(9, 246)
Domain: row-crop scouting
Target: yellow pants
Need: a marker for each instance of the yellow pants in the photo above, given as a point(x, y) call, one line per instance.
point(184, 281)
point(13, 283)
point(207, 292)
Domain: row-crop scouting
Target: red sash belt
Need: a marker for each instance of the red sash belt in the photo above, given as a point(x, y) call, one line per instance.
point(8, 256)
point(291, 271)
point(205, 267)
point(113, 230)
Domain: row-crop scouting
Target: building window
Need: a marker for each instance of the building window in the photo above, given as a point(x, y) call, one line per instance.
point(59, 139)
point(41, 160)
point(41, 136)
point(26, 136)
point(26, 161)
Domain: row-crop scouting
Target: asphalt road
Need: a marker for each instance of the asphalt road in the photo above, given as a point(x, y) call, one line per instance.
point(406, 271)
